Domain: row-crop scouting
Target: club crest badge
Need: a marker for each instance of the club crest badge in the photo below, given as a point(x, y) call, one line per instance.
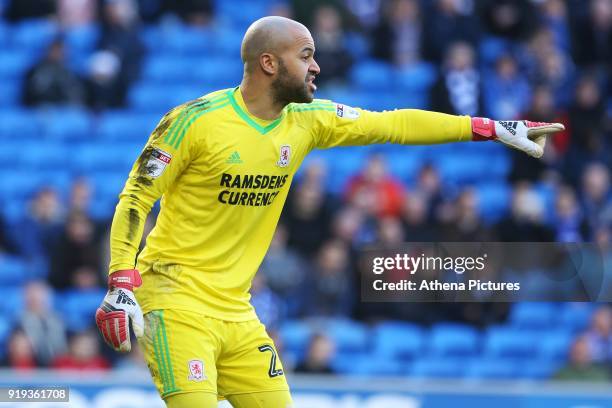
point(285, 156)
point(196, 370)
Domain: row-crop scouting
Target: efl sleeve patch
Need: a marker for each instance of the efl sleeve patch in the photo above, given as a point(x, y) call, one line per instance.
point(343, 111)
point(157, 162)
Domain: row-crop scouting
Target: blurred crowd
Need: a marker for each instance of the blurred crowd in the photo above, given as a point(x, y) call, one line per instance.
point(542, 60)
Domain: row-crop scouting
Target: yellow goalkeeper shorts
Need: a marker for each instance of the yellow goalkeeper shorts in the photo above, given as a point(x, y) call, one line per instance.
point(188, 352)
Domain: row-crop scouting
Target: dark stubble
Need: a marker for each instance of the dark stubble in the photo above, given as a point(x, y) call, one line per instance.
point(286, 89)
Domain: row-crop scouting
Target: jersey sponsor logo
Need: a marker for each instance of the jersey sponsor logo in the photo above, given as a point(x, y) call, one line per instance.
point(196, 370)
point(236, 184)
point(343, 111)
point(234, 158)
point(285, 155)
point(509, 126)
point(158, 160)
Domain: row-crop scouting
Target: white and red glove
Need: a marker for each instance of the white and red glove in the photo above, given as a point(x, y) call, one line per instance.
point(118, 308)
point(529, 137)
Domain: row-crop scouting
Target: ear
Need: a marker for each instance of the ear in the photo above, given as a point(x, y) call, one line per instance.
point(268, 63)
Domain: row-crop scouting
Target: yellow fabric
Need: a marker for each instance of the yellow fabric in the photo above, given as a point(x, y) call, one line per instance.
point(191, 400)
point(235, 357)
point(268, 399)
point(224, 187)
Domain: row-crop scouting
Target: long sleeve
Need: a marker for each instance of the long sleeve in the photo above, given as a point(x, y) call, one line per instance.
point(340, 125)
point(168, 152)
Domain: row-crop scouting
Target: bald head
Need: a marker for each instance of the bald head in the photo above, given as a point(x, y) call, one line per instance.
point(272, 34)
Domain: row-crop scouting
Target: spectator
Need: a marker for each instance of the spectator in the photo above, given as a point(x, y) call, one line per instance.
point(51, 82)
point(569, 222)
point(42, 326)
point(76, 259)
point(40, 228)
point(526, 221)
point(269, 307)
point(284, 270)
point(375, 191)
point(430, 186)
point(581, 366)
point(414, 216)
point(331, 282)
point(457, 91)
point(120, 36)
point(349, 225)
point(398, 36)
point(390, 232)
point(332, 55)
point(307, 214)
point(104, 84)
point(76, 13)
point(555, 70)
point(451, 21)
point(83, 354)
point(80, 196)
point(318, 357)
point(507, 93)
point(19, 353)
point(596, 31)
point(464, 223)
point(555, 18)
point(597, 195)
point(599, 336)
point(509, 19)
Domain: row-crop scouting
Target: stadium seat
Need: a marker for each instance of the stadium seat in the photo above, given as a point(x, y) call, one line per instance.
point(538, 369)
point(295, 335)
point(151, 98)
point(576, 316)
point(554, 345)
point(15, 124)
point(13, 270)
point(12, 301)
point(127, 126)
point(436, 367)
point(349, 336)
point(19, 184)
point(81, 39)
point(45, 155)
point(372, 75)
point(501, 341)
point(75, 124)
point(364, 364)
point(79, 307)
point(10, 93)
point(416, 78)
point(398, 340)
point(493, 200)
point(34, 34)
point(14, 64)
point(533, 315)
point(453, 340)
point(491, 369)
point(6, 326)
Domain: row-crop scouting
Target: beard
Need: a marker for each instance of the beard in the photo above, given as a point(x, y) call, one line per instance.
point(287, 89)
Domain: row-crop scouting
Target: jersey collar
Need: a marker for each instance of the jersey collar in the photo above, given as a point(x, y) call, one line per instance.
point(262, 126)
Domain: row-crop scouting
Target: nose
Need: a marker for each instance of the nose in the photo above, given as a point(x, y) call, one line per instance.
point(314, 68)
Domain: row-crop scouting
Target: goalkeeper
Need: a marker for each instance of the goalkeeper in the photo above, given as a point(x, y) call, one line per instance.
point(222, 165)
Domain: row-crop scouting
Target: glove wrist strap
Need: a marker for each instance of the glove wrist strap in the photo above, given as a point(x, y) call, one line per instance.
point(126, 279)
point(483, 129)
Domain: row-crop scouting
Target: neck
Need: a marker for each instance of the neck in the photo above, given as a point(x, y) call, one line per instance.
point(258, 98)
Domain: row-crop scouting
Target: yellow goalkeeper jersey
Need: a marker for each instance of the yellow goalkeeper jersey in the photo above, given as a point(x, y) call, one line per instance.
point(223, 176)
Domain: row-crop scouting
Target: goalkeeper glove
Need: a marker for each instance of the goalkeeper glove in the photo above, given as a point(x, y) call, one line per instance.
point(118, 308)
point(529, 137)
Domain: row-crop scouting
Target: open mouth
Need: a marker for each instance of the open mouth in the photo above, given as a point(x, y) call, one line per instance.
point(311, 84)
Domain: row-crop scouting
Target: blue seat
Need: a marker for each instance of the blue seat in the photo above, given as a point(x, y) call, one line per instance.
point(75, 123)
point(554, 345)
point(416, 78)
point(364, 364)
point(295, 335)
point(12, 301)
point(493, 200)
point(79, 308)
point(13, 270)
point(349, 336)
point(189, 41)
point(538, 369)
point(373, 75)
point(162, 69)
point(576, 316)
point(17, 123)
point(533, 315)
point(10, 93)
point(18, 184)
point(145, 97)
point(44, 155)
point(14, 64)
point(453, 340)
point(108, 185)
point(128, 126)
point(81, 39)
point(398, 340)
point(106, 157)
point(436, 367)
point(501, 341)
point(491, 369)
point(217, 72)
point(34, 34)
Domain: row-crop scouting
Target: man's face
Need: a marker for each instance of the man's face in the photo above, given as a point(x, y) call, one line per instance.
point(297, 69)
